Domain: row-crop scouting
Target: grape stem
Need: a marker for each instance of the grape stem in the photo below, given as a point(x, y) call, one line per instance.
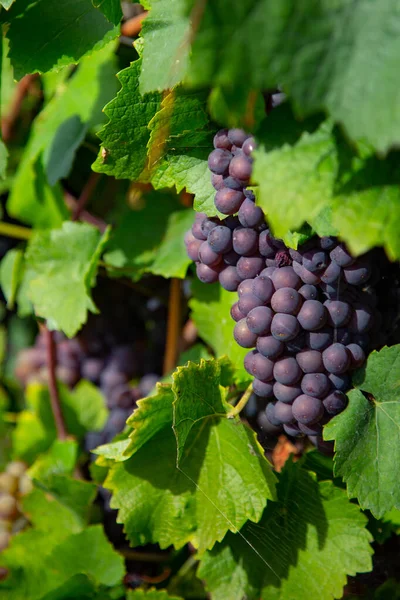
point(84, 215)
point(53, 389)
point(9, 120)
point(173, 326)
point(241, 404)
point(85, 196)
point(15, 231)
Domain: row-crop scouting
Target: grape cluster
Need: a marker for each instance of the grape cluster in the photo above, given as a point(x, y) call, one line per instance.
point(14, 483)
point(306, 315)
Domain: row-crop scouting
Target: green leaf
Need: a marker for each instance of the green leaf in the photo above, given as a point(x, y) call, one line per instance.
point(11, 273)
point(64, 262)
point(7, 3)
point(111, 9)
point(211, 305)
point(79, 587)
point(367, 434)
point(151, 594)
point(303, 547)
point(49, 154)
point(69, 31)
point(59, 459)
point(151, 240)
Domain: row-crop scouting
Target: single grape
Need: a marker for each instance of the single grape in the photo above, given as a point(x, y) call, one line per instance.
point(192, 249)
point(336, 359)
point(259, 319)
point(287, 371)
point(240, 167)
point(207, 255)
point(197, 231)
point(231, 258)
point(228, 201)
point(249, 301)
point(237, 137)
point(263, 288)
point(286, 300)
point(358, 273)
point(315, 260)
point(339, 313)
point(357, 355)
point(263, 389)
point(220, 239)
point(307, 409)
point(258, 365)
point(221, 139)
point(245, 287)
point(362, 319)
point(327, 243)
point(319, 340)
point(313, 315)
point(341, 256)
point(245, 241)
point(283, 412)
point(270, 412)
point(315, 384)
point(265, 245)
point(206, 274)
point(286, 393)
point(249, 267)
point(243, 336)
point(284, 327)
point(309, 292)
point(305, 275)
point(249, 145)
point(335, 403)
point(292, 429)
point(331, 273)
point(217, 181)
point(235, 312)
point(229, 279)
point(218, 161)
point(268, 346)
point(310, 361)
point(285, 277)
point(249, 214)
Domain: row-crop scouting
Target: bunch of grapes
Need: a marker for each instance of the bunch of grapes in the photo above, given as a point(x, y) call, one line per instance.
point(306, 315)
point(14, 483)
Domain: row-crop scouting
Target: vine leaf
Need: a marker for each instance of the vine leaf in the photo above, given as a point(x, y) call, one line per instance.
point(367, 434)
point(63, 263)
point(304, 546)
point(76, 28)
point(151, 594)
point(222, 480)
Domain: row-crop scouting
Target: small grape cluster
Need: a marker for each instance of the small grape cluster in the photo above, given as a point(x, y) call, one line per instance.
point(306, 314)
point(14, 483)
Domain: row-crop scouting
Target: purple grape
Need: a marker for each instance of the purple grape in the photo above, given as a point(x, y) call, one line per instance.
point(312, 316)
point(292, 429)
point(240, 167)
point(231, 258)
point(259, 319)
point(268, 272)
point(220, 239)
point(249, 267)
point(331, 273)
point(340, 382)
point(235, 312)
point(307, 409)
point(258, 365)
point(270, 412)
point(111, 377)
point(335, 403)
point(245, 241)
point(362, 319)
point(248, 302)
point(263, 389)
point(305, 275)
point(283, 412)
point(319, 340)
point(265, 245)
point(206, 274)
point(284, 327)
point(218, 161)
point(207, 255)
point(357, 355)
point(245, 287)
point(121, 396)
point(336, 359)
point(208, 224)
point(217, 181)
point(315, 384)
point(189, 237)
point(266, 426)
point(228, 201)
point(268, 346)
point(286, 393)
point(327, 243)
point(237, 137)
point(287, 371)
point(309, 292)
point(249, 145)
point(285, 277)
point(310, 361)
point(315, 429)
point(229, 279)
point(296, 255)
point(243, 336)
point(92, 369)
point(315, 260)
point(234, 184)
point(339, 312)
point(263, 288)
point(249, 214)
point(286, 300)
point(221, 139)
point(358, 273)
point(341, 257)
point(197, 231)
point(192, 249)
